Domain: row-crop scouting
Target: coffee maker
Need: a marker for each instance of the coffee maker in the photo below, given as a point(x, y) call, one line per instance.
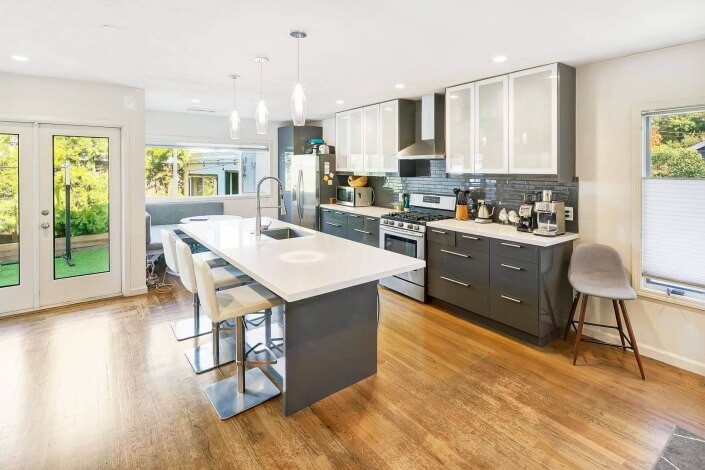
point(527, 215)
point(550, 218)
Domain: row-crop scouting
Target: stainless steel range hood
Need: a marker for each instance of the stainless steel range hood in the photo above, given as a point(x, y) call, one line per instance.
point(430, 130)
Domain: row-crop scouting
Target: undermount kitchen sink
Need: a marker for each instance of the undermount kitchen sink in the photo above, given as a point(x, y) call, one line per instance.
point(284, 233)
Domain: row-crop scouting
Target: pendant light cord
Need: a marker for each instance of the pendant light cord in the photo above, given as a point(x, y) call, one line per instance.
point(234, 94)
point(298, 60)
point(260, 79)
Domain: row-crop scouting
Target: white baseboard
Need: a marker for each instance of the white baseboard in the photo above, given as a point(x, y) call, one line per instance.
point(652, 352)
point(136, 291)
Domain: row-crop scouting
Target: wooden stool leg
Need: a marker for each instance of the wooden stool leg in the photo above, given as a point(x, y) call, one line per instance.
point(632, 338)
point(619, 323)
point(579, 335)
point(572, 315)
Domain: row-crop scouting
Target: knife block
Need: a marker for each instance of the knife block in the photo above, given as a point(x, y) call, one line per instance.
point(461, 212)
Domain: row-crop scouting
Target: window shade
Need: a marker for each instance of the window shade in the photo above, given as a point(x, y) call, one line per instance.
point(673, 230)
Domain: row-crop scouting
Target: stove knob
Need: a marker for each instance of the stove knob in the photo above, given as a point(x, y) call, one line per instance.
point(400, 224)
point(416, 227)
point(410, 226)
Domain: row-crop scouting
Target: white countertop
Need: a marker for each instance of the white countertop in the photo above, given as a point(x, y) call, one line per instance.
point(369, 211)
point(298, 268)
point(505, 232)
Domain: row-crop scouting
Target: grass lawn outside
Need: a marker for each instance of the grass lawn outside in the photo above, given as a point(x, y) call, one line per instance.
point(90, 261)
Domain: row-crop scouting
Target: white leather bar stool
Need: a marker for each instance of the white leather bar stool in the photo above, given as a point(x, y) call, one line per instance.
point(190, 328)
point(247, 388)
point(209, 356)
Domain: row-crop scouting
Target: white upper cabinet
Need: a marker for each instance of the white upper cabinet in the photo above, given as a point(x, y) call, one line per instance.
point(459, 128)
point(372, 161)
point(491, 126)
point(533, 121)
point(357, 162)
point(389, 136)
point(342, 141)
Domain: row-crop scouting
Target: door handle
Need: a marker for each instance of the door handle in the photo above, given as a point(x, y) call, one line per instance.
point(455, 254)
point(300, 186)
point(513, 245)
point(454, 281)
point(45, 225)
point(515, 268)
point(512, 299)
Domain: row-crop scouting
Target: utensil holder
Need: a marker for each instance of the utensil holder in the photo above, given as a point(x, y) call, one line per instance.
point(461, 212)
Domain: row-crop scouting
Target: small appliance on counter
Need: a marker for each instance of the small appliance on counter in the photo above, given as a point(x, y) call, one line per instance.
point(484, 216)
point(355, 197)
point(550, 217)
point(527, 215)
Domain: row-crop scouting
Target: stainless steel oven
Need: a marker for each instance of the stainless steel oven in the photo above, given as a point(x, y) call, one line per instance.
point(409, 243)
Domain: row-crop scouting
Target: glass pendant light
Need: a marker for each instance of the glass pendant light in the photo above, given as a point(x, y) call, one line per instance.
point(261, 112)
point(234, 116)
point(298, 97)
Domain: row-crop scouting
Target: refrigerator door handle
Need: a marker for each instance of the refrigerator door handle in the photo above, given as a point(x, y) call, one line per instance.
point(299, 187)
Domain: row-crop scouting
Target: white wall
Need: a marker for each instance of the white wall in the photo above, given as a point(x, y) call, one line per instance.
point(170, 127)
point(47, 100)
point(608, 93)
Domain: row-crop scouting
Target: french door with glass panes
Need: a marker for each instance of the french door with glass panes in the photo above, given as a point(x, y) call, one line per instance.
point(59, 215)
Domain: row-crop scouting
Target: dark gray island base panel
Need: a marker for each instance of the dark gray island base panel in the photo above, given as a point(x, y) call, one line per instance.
point(331, 343)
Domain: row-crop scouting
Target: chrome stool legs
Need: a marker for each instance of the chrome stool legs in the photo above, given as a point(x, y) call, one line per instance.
point(207, 357)
point(189, 328)
point(246, 389)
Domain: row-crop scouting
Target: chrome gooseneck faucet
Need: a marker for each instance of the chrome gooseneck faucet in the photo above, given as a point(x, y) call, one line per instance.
point(281, 207)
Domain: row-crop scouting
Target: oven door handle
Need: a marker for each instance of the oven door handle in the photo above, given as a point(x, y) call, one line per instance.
point(401, 232)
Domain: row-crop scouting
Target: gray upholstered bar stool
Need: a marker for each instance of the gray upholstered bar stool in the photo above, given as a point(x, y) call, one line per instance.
point(190, 328)
point(247, 388)
point(597, 270)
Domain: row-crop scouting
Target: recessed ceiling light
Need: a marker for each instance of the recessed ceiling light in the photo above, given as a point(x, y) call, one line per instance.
point(399, 86)
point(19, 58)
point(339, 102)
point(195, 100)
point(499, 59)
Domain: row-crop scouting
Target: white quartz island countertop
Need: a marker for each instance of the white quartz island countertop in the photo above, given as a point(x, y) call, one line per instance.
point(505, 232)
point(366, 211)
point(298, 268)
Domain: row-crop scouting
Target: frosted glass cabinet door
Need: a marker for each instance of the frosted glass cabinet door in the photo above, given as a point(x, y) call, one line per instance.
point(459, 144)
point(372, 161)
point(342, 141)
point(356, 140)
point(389, 135)
point(491, 126)
point(533, 121)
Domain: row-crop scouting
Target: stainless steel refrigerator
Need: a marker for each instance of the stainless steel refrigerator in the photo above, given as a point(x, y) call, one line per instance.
point(307, 179)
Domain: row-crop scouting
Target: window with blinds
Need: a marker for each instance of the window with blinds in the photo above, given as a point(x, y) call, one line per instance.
point(673, 202)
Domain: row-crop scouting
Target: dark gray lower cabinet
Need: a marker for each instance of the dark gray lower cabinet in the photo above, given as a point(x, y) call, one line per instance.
point(355, 227)
point(517, 288)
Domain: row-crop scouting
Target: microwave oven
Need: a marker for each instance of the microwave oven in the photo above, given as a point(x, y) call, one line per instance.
point(356, 197)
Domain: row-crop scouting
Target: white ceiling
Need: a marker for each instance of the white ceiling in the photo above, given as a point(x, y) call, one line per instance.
point(178, 50)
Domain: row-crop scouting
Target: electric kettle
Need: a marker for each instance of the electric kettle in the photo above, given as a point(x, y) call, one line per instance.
point(484, 216)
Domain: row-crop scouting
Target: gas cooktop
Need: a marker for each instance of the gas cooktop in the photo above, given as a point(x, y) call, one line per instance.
point(415, 217)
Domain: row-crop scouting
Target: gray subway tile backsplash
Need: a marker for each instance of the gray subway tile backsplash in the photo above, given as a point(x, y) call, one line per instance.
point(501, 191)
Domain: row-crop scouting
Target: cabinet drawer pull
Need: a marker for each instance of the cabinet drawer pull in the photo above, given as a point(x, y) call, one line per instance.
point(470, 238)
point(511, 299)
point(454, 281)
point(513, 245)
point(439, 231)
point(371, 218)
point(515, 268)
point(340, 213)
point(362, 231)
point(331, 223)
point(455, 254)
point(356, 216)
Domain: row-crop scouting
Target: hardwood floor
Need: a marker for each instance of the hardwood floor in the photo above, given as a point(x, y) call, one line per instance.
point(106, 385)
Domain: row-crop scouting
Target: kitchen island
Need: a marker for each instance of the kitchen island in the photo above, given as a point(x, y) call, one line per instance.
point(329, 286)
